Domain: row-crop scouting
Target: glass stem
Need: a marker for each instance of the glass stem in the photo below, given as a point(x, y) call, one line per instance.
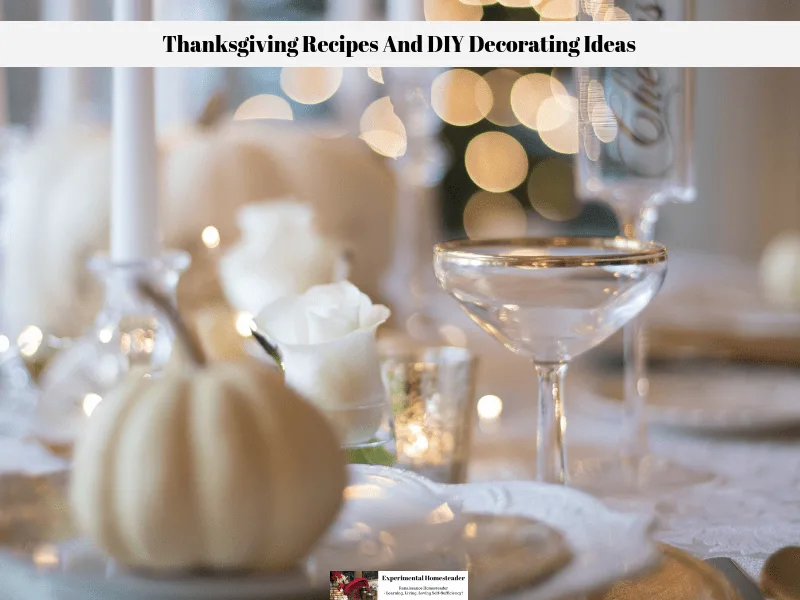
point(550, 449)
point(638, 226)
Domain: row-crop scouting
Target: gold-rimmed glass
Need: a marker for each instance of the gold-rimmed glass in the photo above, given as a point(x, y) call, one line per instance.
point(550, 300)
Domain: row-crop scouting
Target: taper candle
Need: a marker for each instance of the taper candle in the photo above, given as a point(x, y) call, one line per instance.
point(135, 231)
point(405, 10)
point(3, 88)
point(63, 91)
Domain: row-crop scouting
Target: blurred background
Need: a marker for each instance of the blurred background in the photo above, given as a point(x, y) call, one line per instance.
point(747, 128)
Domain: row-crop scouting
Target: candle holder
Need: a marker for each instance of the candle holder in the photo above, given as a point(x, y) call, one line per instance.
point(433, 401)
point(411, 281)
point(17, 392)
point(128, 333)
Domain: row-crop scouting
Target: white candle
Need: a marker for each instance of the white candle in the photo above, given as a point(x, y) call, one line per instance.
point(63, 91)
point(181, 94)
point(405, 10)
point(3, 87)
point(135, 232)
point(350, 10)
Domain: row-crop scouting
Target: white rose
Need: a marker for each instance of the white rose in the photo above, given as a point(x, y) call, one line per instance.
point(280, 253)
point(327, 340)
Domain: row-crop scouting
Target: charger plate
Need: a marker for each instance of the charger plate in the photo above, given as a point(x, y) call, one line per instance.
point(546, 542)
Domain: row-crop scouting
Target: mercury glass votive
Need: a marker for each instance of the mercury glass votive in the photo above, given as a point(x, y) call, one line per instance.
point(433, 400)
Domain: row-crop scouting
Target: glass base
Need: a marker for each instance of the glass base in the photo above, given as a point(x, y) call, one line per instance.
point(626, 476)
point(128, 333)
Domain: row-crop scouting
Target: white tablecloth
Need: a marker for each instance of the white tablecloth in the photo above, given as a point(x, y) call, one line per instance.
point(748, 511)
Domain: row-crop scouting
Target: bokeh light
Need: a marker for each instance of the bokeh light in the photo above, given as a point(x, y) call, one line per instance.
point(375, 73)
point(29, 340)
point(530, 92)
point(516, 3)
point(489, 215)
point(310, 85)
point(551, 190)
point(210, 237)
point(383, 130)
point(496, 162)
point(5, 344)
point(245, 324)
point(490, 407)
point(556, 10)
point(501, 82)
point(564, 137)
point(452, 10)
point(461, 97)
point(264, 106)
point(479, 2)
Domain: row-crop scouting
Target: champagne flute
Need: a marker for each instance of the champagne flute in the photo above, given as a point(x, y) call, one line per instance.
point(636, 154)
point(551, 300)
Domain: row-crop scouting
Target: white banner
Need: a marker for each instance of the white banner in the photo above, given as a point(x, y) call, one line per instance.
point(399, 44)
point(433, 585)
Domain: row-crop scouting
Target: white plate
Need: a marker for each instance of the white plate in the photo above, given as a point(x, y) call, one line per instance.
point(712, 398)
point(422, 522)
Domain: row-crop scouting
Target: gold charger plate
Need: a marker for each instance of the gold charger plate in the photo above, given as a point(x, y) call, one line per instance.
point(679, 577)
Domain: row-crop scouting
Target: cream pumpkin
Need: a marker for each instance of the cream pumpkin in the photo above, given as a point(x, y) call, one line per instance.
point(213, 466)
point(59, 198)
point(779, 271)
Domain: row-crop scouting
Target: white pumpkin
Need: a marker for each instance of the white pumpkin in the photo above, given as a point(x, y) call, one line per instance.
point(213, 466)
point(59, 199)
point(780, 270)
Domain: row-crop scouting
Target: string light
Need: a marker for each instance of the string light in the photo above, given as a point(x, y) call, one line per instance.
point(530, 92)
point(264, 106)
point(210, 237)
point(245, 324)
point(461, 97)
point(550, 190)
point(490, 408)
point(30, 340)
point(311, 85)
point(489, 215)
point(496, 161)
point(452, 10)
point(383, 130)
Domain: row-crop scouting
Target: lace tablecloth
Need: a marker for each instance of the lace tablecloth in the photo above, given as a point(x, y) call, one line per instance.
point(747, 511)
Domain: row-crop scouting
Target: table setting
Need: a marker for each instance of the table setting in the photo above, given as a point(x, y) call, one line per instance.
point(239, 356)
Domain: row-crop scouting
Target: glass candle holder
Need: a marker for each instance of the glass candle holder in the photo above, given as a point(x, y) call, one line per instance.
point(433, 400)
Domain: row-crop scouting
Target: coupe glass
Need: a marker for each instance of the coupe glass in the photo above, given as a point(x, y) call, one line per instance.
point(551, 300)
point(636, 128)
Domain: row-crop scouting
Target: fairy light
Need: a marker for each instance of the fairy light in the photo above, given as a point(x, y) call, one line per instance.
point(496, 161)
point(530, 93)
point(550, 190)
point(564, 137)
point(311, 85)
point(375, 73)
point(30, 340)
point(210, 237)
point(490, 408)
point(488, 215)
point(452, 10)
point(382, 129)
point(461, 97)
point(5, 343)
point(264, 106)
point(245, 324)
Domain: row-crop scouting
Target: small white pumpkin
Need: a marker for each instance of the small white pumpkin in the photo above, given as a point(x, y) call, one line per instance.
point(780, 271)
point(213, 466)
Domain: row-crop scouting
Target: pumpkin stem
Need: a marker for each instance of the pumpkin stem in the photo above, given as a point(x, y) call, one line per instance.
point(182, 331)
